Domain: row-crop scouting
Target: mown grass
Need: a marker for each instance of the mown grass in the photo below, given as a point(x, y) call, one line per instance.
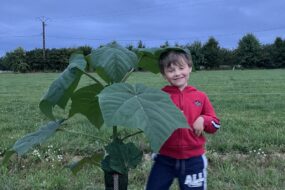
point(247, 153)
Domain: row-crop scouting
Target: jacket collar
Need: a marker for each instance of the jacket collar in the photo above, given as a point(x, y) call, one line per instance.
point(174, 89)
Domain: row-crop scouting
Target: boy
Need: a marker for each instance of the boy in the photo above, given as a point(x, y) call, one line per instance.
point(182, 156)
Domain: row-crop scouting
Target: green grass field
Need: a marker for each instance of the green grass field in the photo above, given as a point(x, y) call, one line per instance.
point(247, 153)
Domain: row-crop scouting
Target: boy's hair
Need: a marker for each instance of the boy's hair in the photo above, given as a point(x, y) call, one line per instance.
point(168, 58)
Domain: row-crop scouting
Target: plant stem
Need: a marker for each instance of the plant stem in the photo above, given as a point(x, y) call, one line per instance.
point(93, 78)
point(116, 181)
point(130, 135)
point(127, 75)
point(78, 133)
point(139, 60)
point(115, 132)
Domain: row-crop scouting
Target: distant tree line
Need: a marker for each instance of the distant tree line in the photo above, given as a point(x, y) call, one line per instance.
point(20, 60)
point(250, 53)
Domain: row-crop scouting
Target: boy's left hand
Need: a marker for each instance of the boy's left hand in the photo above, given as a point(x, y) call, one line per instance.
point(198, 126)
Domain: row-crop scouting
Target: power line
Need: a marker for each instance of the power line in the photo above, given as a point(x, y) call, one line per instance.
point(170, 39)
point(20, 36)
point(137, 39)
point(231, 34)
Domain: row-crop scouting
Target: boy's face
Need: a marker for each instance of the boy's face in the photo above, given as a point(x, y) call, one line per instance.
point(178, 75)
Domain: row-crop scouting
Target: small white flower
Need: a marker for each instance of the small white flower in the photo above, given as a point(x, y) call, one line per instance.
point(59, 157)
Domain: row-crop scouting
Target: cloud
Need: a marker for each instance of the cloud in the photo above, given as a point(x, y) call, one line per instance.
point(85, 22)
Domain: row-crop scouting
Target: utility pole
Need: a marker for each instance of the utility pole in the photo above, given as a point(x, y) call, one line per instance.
point(44, 39)
point(43, 20)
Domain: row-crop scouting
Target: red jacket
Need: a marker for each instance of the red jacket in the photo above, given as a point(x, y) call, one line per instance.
point(183, 143)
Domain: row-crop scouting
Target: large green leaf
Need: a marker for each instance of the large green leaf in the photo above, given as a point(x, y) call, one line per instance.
point(95, 160)
point(30, 140)
point(121, 157)
point(85, 101)
point(62, 88)
point(148, 60)
point(112, 62)
point(149, 57)
point(137, 106)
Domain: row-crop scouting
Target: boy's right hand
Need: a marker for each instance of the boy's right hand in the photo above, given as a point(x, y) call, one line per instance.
point(198, 126)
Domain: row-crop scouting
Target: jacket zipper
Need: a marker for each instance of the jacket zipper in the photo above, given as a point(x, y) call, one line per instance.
point(181, 107)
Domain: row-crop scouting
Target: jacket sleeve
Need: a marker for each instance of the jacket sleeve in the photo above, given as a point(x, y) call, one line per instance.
point(211, 122)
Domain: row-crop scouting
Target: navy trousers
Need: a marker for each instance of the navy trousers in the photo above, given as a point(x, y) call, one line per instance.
point(191, 173)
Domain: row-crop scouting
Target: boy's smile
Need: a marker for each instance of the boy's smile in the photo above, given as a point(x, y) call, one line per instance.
point(177, 75)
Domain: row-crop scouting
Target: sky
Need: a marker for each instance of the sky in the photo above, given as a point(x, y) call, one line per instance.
point(98, 22)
